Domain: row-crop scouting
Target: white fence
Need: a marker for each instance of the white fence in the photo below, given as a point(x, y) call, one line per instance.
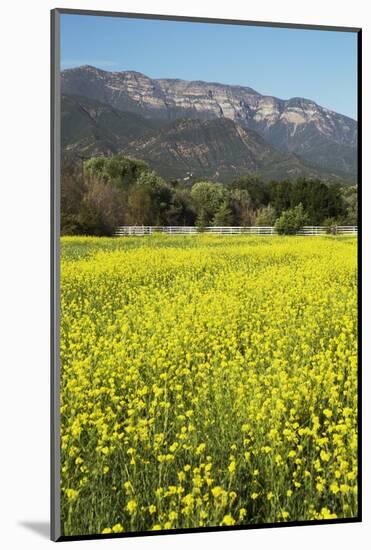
point(312, 230)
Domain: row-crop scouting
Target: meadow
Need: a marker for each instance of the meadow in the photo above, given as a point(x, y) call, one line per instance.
point(207, 381)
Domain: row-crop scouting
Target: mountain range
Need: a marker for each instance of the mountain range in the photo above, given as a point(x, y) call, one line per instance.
point(201, 129)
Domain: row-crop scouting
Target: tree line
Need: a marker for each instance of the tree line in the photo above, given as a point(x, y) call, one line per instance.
point(102, 193)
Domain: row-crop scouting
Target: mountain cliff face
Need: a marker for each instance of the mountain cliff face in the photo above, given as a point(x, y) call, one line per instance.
point(218, 149)
point(297, 125)
point(90, 127)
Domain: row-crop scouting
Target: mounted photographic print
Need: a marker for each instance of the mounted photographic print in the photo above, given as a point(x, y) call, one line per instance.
point(205, 274)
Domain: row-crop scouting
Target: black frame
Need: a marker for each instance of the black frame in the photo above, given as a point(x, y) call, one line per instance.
point(55, 523)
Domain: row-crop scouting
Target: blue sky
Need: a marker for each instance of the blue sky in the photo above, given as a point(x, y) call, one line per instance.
point(319, 65)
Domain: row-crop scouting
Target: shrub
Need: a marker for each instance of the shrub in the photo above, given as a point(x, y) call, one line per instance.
point(291, 221)
point(331, 225)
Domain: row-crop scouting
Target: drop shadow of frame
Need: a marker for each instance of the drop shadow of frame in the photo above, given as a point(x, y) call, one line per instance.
point(41, 528)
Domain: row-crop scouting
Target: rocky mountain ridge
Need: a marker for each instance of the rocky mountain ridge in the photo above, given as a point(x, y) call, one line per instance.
point(296, 125)
point(216, 148)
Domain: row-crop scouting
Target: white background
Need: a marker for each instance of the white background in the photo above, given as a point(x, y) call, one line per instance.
point(24, 287)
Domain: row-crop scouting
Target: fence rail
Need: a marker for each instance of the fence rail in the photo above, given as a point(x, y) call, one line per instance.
point(310, 230)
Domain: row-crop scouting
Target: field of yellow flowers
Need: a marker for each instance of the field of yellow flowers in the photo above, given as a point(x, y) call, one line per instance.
point(207, 381)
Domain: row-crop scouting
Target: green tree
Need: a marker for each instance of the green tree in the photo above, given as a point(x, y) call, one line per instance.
point(242, 207)
point(140, 210)
point(320, 200)
point(180, 210)
point(202, 220)
point(207, 198)
point(160, 195)
point(350, 196)
point(266, 216)
point(258, 190)
point(72, 193)
point(223, 216)
point(280, 195)
point(119, 169)
point(291, 220)
point(101, 209)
